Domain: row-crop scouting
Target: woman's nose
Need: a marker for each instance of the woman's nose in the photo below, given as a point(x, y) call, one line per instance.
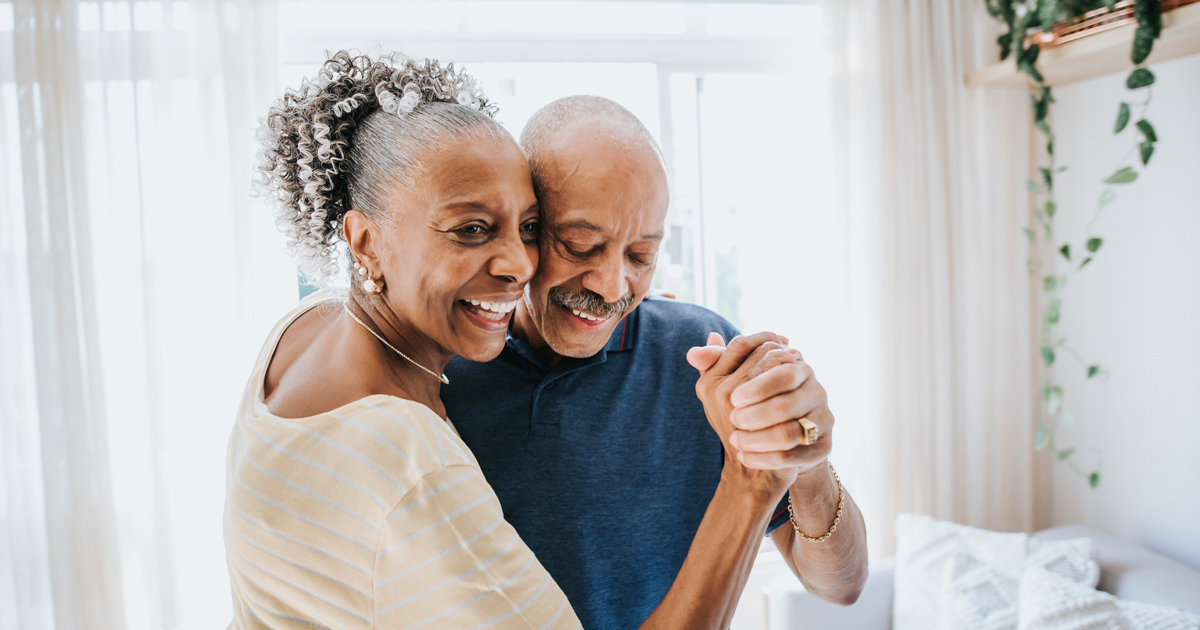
point(512, 261)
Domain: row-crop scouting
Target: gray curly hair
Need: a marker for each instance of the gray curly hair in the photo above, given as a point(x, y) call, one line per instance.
point(352, 136)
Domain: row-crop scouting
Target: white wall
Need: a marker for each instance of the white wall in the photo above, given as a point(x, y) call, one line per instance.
point(1136, 310)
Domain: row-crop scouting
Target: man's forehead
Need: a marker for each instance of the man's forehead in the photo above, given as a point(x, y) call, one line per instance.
point(647, 233)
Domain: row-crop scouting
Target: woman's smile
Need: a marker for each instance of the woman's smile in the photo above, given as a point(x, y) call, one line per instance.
point(490, 314)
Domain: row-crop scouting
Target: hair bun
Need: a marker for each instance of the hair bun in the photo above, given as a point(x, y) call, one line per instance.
point(306, 137)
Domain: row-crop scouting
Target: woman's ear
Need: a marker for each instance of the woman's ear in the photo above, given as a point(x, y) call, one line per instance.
point(359, 233)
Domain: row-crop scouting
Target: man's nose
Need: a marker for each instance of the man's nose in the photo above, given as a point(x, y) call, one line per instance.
point(608, 278)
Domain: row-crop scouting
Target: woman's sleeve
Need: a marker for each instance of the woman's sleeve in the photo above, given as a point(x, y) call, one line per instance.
point(447, 559)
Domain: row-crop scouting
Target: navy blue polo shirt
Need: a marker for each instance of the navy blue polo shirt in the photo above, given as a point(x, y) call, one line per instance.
point(604, 465)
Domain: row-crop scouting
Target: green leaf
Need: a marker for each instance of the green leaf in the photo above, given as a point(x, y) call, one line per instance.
point(1122, 118)
point(1051, 208)
point(1094, 479)
point(1065, 453)
point(1048, 355)
point(1054, 403)
point(1065, 250)
point(1029, 235)
point(1147, 150)
point(1107, 197)
point(1147, 130)
point(1148, 14)
point(1050, 147)
point(1093, 370)
point(1050, 283)
point(1143, 43)
point(1048, 12)
point(1047, 178)
point(1094, 244)
point(1123, 176)
point(1085, 262)
point(1052, 312)
point(1139, 78)
point(1041, 438)
point(1033, 187)
point(1005, 42)
point(1066, 420)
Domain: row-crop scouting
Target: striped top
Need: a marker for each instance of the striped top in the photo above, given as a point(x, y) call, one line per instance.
point(373, 515)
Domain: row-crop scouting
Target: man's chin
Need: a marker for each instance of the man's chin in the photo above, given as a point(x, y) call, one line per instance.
point(568, 341)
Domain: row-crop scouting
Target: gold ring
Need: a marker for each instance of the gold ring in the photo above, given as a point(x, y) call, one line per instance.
point(809, 432)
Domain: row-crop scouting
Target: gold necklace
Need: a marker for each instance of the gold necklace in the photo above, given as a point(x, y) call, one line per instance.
point(385, 342)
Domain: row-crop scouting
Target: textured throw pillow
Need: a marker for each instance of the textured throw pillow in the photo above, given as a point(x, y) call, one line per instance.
point(1052, 602)
point(957, 577)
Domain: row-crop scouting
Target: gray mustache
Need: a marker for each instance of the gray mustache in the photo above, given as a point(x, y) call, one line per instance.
point(589, 301)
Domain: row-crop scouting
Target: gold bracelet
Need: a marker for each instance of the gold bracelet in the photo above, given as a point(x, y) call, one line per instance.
point(837, 517)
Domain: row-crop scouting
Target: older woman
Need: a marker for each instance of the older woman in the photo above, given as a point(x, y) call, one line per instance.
point(352, 502)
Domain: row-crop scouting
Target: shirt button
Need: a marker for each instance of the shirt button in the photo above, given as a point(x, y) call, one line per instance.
point(550, 385)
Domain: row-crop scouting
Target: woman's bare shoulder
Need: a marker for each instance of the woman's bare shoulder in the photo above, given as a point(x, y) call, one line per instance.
point(317, 367)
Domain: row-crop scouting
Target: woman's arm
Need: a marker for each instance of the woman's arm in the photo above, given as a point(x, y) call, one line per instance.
point(706, 591)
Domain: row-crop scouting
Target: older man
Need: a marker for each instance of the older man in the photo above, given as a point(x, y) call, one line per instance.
point(589, 424)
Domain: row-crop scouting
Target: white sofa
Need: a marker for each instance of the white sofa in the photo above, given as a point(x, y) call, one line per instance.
point(1127, 570)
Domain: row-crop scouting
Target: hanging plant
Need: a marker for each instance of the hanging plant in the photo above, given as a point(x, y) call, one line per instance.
point(1023, 21)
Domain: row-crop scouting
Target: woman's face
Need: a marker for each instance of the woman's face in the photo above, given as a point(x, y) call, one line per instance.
point(461, 245)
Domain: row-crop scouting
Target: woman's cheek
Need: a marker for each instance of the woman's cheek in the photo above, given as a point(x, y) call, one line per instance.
point(534, 253)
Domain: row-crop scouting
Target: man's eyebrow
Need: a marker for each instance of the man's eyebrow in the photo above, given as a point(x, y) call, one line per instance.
point(584, 224)
point(579, 224)
point(653, 236)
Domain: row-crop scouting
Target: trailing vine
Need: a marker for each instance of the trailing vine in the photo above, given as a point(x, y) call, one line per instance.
point(1023, 18)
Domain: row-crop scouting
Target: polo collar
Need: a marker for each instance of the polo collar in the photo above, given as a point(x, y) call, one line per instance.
point(623, 335)
point(622, 339)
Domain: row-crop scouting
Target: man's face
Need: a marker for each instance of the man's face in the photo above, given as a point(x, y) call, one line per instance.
point(603, 206)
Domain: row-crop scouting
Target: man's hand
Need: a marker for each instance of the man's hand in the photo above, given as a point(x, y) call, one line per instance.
point(772, 389)
point(723, 370)
point(761, 388)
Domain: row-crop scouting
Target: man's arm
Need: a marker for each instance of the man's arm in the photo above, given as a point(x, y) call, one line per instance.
point(836, 568)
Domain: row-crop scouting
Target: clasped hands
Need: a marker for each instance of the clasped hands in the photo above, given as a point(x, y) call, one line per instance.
point(754, 391)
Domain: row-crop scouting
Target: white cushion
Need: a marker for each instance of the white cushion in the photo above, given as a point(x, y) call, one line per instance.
point(1054, 602)
point(1133, 572)
point(954, 576)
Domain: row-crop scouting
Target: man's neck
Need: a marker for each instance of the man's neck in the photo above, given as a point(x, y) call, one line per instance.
point(524, 329)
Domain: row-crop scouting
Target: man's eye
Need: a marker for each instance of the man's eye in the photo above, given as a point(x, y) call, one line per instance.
point(575, 249)
point(472, 230)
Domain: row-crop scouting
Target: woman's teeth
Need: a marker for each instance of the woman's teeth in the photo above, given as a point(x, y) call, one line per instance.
point(588, 316)
point(492, 310)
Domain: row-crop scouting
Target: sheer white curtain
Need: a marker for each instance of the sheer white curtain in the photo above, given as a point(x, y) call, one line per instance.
point(137, 279)
point(933, 179)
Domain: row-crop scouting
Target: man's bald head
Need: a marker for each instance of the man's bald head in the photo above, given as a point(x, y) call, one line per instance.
point(570, 115)
point(602, 186)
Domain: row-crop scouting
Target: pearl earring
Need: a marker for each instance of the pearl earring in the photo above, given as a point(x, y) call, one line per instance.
point(370, 286)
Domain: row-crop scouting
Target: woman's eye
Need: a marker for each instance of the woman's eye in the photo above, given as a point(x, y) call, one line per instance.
point(533, 227)
point(472, 230)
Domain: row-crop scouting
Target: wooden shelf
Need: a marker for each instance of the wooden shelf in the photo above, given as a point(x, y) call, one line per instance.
point(1099, 54)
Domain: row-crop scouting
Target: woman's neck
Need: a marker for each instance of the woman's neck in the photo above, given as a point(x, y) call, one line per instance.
point(413, 362)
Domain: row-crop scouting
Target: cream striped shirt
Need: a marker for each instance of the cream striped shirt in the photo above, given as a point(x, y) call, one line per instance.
point(373, 515)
